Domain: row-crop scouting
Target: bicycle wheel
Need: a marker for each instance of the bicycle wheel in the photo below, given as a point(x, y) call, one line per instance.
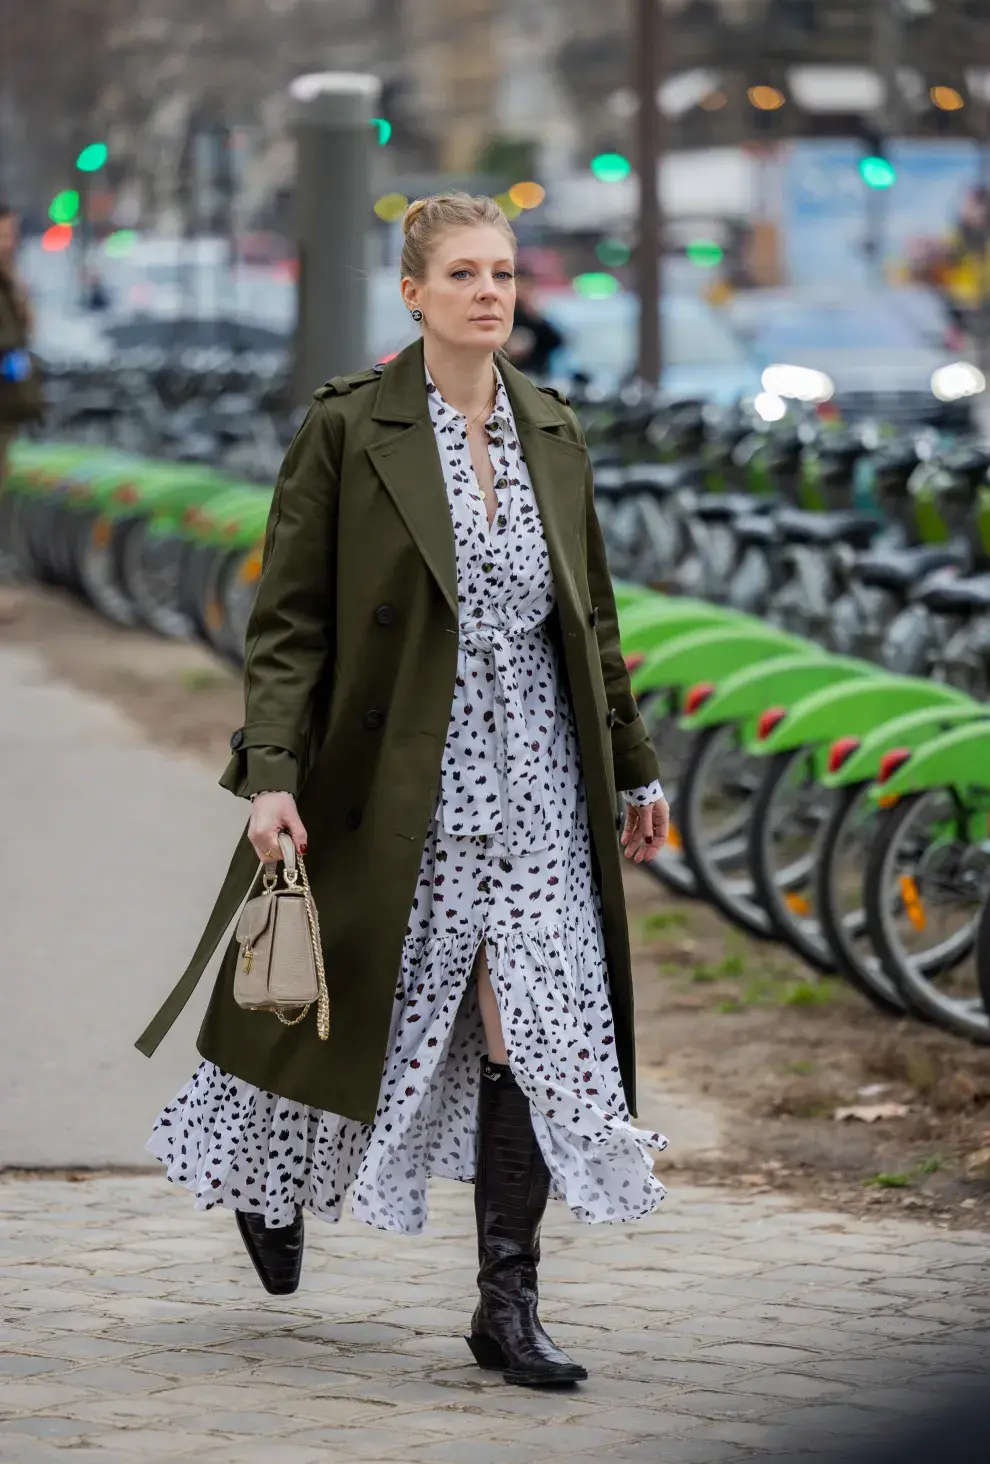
point(716, 804)
point(925, 888)
point(789, 814)
point(151, 575)
point(839, 876)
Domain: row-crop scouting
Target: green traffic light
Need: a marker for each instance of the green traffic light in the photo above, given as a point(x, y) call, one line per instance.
point(610, 167)
point(92, 158)
point(705, 253)
point(595, 285)
point(613, 252)
point(877, 172)
point(64, 207)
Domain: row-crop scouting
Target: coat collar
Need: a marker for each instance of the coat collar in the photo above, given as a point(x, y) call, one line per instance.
point(408, 464)
point(402, 397)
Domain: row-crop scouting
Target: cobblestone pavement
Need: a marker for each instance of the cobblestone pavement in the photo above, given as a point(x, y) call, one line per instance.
point(134, 1329)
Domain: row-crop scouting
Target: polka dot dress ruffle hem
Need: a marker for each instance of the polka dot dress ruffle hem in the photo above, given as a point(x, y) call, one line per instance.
point(507, 863)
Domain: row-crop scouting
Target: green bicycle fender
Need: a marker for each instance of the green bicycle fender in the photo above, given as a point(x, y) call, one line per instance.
point(711, 653)
point(959, 759)
point(910, 730)
point(781, 681)
point(851, 711)
point(643, 637)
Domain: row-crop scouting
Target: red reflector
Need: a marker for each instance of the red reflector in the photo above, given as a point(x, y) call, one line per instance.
point(891, 761)
point(842, 749)
point(768, 721)
point(634, 660)
point(126, 493)
point(697, 696)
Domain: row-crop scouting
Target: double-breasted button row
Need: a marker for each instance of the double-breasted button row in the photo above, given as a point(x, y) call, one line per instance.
point(237, 740)
point(373, 719)
point(352, 818)
point(385, 615)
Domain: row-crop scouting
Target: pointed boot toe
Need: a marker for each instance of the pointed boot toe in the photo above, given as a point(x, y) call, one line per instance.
point(276, 1254)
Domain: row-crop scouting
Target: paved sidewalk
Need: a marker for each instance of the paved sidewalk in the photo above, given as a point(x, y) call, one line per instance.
point(134, 1330)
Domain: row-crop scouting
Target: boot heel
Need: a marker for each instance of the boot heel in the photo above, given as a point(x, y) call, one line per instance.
point(487, 1353)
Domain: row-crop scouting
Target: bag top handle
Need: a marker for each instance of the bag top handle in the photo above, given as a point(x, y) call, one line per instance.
point(288, 849)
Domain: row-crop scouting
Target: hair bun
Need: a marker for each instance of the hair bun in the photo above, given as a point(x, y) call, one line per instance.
point(412, 213)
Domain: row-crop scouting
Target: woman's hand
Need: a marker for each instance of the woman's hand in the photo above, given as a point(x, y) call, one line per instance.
point(270, 813)
point(645, 831)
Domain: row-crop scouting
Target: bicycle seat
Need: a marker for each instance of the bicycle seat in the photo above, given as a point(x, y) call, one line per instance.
point(659, 479)
point(898, 569)
point(756, 529)
point(957, 596)
point(844, 526)
point(720, 508)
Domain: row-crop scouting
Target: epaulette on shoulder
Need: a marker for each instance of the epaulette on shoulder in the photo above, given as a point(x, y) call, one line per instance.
point(343, 385)
point(557, 395)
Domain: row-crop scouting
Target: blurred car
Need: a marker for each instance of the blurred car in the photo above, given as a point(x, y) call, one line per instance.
point(886, 355)
point(702, 357)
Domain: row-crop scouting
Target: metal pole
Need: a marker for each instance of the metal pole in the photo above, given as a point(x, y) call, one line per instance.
point(332, 115)
point(647, 49)
point(887, 18)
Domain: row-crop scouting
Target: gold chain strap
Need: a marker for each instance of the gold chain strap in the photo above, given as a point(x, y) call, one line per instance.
point(323, 997)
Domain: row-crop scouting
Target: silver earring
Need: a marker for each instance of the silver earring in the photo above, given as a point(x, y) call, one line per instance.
point(417, 315)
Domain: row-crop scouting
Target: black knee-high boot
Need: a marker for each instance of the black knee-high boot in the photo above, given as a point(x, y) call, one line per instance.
point(511, 1189)
point(276, 1254)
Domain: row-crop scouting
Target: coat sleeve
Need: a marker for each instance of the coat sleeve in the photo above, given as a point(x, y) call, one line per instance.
point(633, 757)
point(291, 630)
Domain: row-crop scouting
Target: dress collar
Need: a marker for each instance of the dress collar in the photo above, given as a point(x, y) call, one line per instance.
point(441, 410)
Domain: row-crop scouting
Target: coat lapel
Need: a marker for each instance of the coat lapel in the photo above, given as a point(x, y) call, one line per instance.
point(557, 467)
point(406, 460)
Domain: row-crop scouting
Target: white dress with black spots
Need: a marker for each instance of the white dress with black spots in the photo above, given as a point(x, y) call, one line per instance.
point(507, 862)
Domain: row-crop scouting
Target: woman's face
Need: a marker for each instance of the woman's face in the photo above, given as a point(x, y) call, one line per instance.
point(469, 294)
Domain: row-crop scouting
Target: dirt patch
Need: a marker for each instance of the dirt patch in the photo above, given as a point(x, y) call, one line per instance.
point(740, 1028)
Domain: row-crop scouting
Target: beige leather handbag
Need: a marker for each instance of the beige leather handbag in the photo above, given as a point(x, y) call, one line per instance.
point(280, 961)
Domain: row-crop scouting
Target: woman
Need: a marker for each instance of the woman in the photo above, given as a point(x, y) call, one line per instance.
point(433, 669)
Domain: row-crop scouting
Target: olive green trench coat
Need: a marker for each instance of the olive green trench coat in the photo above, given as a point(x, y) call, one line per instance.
point(351, 656)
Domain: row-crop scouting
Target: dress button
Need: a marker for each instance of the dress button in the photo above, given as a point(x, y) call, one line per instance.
point(353, 818)
point(373, 720)
point(502, 520)
point(385, 615)
point(487, 567)
point(237, 740)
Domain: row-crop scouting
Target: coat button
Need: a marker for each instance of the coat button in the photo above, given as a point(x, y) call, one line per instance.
point(487, 567)
point(593, 617)
point(237, 740)
point(373, 720)
point(353, 818)
point(612, 717)
point(385, 615)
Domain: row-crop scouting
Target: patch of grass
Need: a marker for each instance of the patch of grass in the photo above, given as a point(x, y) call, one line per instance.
point(199, 678)
point(807, 993)
point(662, 920)
point(803, 1068)
point(889, 1181)
point(730, 969)
point(931, 1165)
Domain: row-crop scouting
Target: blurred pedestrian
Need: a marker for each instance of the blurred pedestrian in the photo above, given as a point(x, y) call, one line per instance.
point(534, 338)
point(433, 669)
point(20, 387)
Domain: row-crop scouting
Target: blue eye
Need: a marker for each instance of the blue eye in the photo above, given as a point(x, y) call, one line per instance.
point(506, 274)
point(459, 273)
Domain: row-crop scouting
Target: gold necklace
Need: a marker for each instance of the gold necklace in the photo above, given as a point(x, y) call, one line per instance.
point(485, 412)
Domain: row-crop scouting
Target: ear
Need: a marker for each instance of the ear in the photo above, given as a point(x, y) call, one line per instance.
point(410, 293)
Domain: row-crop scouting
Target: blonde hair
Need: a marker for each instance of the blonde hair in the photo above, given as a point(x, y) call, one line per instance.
point(427, 218)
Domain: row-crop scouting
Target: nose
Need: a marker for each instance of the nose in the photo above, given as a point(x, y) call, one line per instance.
point(486, 287)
